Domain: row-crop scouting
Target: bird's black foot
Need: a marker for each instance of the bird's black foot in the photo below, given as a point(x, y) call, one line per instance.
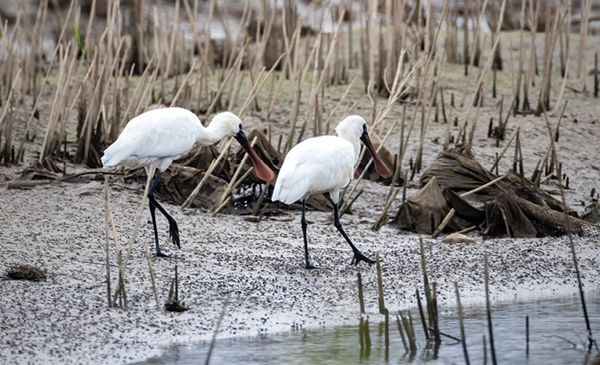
point(161, 254)
point(174, 232)
point(358, 257)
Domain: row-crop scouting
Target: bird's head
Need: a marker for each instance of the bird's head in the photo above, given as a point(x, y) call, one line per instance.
point(226, 124)
point(351, 127)
point(229, 125)
point(354, 126)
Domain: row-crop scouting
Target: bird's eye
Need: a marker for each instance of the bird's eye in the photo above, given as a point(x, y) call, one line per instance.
point(240, 126)
point(364, 127)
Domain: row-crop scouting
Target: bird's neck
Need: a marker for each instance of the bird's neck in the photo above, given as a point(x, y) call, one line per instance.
point(352, 139)
point(211, 135)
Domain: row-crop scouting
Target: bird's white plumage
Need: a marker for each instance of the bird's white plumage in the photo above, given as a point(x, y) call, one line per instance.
point(162, 135)
point(320, 164)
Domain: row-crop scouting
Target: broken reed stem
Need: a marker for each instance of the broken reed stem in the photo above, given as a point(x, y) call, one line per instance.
point(422, 315)
point(213, 341)
point(463, 338)
point(410, 333)
point(361, 298)
point(401, 334)
point(527, 335)
point(188, 202)
point(434, 320)
point(426, 284)
point(488, 308)
point(382, 308)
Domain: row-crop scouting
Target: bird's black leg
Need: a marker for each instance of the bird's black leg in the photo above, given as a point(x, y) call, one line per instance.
point(153, 204)
point(358, 256)
point(304, 224)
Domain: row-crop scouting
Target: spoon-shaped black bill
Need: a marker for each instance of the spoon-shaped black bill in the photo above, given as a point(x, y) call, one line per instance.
point(380, 166)
point(262, 171)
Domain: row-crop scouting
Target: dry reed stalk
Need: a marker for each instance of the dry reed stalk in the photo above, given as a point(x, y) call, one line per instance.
point(368, 43)
point(137, 224)
point(583, 31)
point(544, 98)
point(463, 338)
point(488, 308)
point(422, 315)
point(562, 88)
point(361, 298)
point(596, 77)
point(111, 218)
point(224, 151)
point(447, 133)
point(427, 286)
point(107, 230)
point(381, 300)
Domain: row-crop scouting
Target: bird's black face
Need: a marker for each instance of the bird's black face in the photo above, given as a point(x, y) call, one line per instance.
point(365, 134)
point(240, 136)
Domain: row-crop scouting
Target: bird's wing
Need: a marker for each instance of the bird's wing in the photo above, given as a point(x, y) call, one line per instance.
point(145, 140)
point(314, 166)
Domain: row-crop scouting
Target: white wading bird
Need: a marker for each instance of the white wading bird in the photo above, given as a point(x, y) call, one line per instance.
point(325, 164)
point(162, 135)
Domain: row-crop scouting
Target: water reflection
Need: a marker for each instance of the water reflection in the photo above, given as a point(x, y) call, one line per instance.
point(556, 336)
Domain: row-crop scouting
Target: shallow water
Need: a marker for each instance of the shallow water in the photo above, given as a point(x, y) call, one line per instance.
point(556, 334)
